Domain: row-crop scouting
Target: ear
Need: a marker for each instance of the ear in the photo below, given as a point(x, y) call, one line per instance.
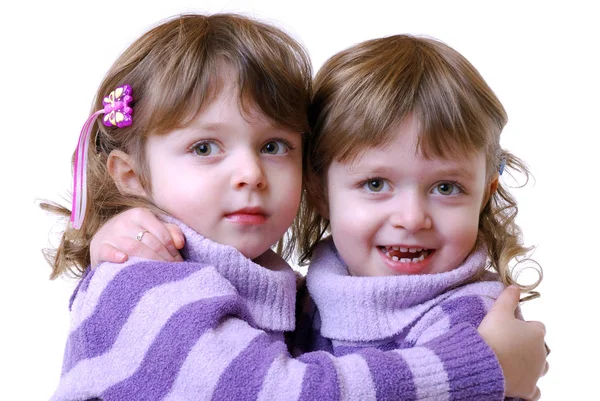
point(490, 191)
point(493, 186)
point(120, 166)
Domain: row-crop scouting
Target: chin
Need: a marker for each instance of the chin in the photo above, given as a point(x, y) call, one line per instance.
point(251, 252)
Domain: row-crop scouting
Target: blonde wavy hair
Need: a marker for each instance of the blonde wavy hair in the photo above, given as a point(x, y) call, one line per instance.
point(175, 70)
point(361, 93)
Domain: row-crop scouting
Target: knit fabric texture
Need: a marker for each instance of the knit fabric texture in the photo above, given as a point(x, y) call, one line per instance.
point(211, 328)
point(420, 316)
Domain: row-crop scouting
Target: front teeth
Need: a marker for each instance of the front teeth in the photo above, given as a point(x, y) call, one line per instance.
point(412, 250)
point(406, 260)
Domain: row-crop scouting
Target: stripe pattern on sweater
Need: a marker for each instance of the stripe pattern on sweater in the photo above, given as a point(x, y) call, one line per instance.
point(148, 330)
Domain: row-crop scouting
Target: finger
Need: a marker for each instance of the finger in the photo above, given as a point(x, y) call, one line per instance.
point(508, 301)
point(140, 249)
point(539, 325)
point(157, 247)
point(139, 216)
point(176, 235)
point(536, 395)
point(161, 239)
point(108, 253)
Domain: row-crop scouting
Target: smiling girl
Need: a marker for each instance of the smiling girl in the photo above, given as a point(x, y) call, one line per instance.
point(403, 171)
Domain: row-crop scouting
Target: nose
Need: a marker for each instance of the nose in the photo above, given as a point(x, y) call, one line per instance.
point(248, 172)
point(411, 213)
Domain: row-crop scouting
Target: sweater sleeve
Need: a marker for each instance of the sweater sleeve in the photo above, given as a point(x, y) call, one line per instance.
point(432, 360)
point(472, 368)
point(467, 306)
point(144, 331)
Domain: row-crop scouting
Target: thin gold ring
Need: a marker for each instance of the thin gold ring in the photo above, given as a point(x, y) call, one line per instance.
point(141, 235)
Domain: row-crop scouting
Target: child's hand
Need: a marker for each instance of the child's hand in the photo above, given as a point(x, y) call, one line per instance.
point(519, 346)
point(117, 238)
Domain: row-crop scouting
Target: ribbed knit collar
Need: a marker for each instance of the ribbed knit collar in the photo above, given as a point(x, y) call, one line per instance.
point(372, 308)
point(267, 284)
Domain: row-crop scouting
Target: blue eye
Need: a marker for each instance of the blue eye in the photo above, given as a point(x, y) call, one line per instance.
point(375, 185)
point(277, 147)
point(447, 189)
point(205, 148)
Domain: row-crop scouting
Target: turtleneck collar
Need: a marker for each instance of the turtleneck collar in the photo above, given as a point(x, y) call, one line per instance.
point(267, 284)
point(371, 308)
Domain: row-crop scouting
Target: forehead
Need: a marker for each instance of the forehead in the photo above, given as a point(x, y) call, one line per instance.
point(227, 106)
point(408, 140)
point(403, 157)
point(410, 133)
point(391, 155)
point(226, 119)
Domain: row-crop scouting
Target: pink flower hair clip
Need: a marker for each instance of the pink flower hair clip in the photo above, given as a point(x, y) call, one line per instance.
point(117, 113)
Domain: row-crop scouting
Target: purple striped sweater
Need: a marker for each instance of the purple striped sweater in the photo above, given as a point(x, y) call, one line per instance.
point(211, 328)
point(417, 315)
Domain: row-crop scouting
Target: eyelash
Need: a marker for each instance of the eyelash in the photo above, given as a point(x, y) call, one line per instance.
point(285, 142)
point(195, 146)
point(454, 184)
point(364, 183)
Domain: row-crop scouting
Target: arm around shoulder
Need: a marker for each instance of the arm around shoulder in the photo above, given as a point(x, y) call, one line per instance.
point(143, 330)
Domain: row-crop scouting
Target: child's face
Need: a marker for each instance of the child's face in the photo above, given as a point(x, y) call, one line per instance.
point(394, 212)
point(235, 181)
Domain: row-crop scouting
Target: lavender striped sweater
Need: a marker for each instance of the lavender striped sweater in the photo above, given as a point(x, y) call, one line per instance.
point(211, 328)
point(417, 315)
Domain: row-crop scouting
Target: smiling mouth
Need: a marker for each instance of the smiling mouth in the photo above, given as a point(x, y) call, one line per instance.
point(405, 255)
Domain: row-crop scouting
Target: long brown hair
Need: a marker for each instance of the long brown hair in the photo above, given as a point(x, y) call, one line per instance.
point(361, 93)
point(175, 70)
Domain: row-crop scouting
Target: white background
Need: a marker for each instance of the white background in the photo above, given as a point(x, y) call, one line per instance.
point(539, 57)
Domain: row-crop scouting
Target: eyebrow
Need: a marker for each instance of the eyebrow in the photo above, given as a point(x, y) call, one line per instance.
point(209, 126)
point(454, 172)
point(377, 169)
point(370, 168)
point(266, 129)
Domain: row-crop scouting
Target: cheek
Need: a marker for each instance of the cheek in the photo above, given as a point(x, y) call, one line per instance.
point(287, 187)
point(159, 186)
point(160, 168)
point(462, 229)
point(351, 221)
point(291, 183)
point(171, 189)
